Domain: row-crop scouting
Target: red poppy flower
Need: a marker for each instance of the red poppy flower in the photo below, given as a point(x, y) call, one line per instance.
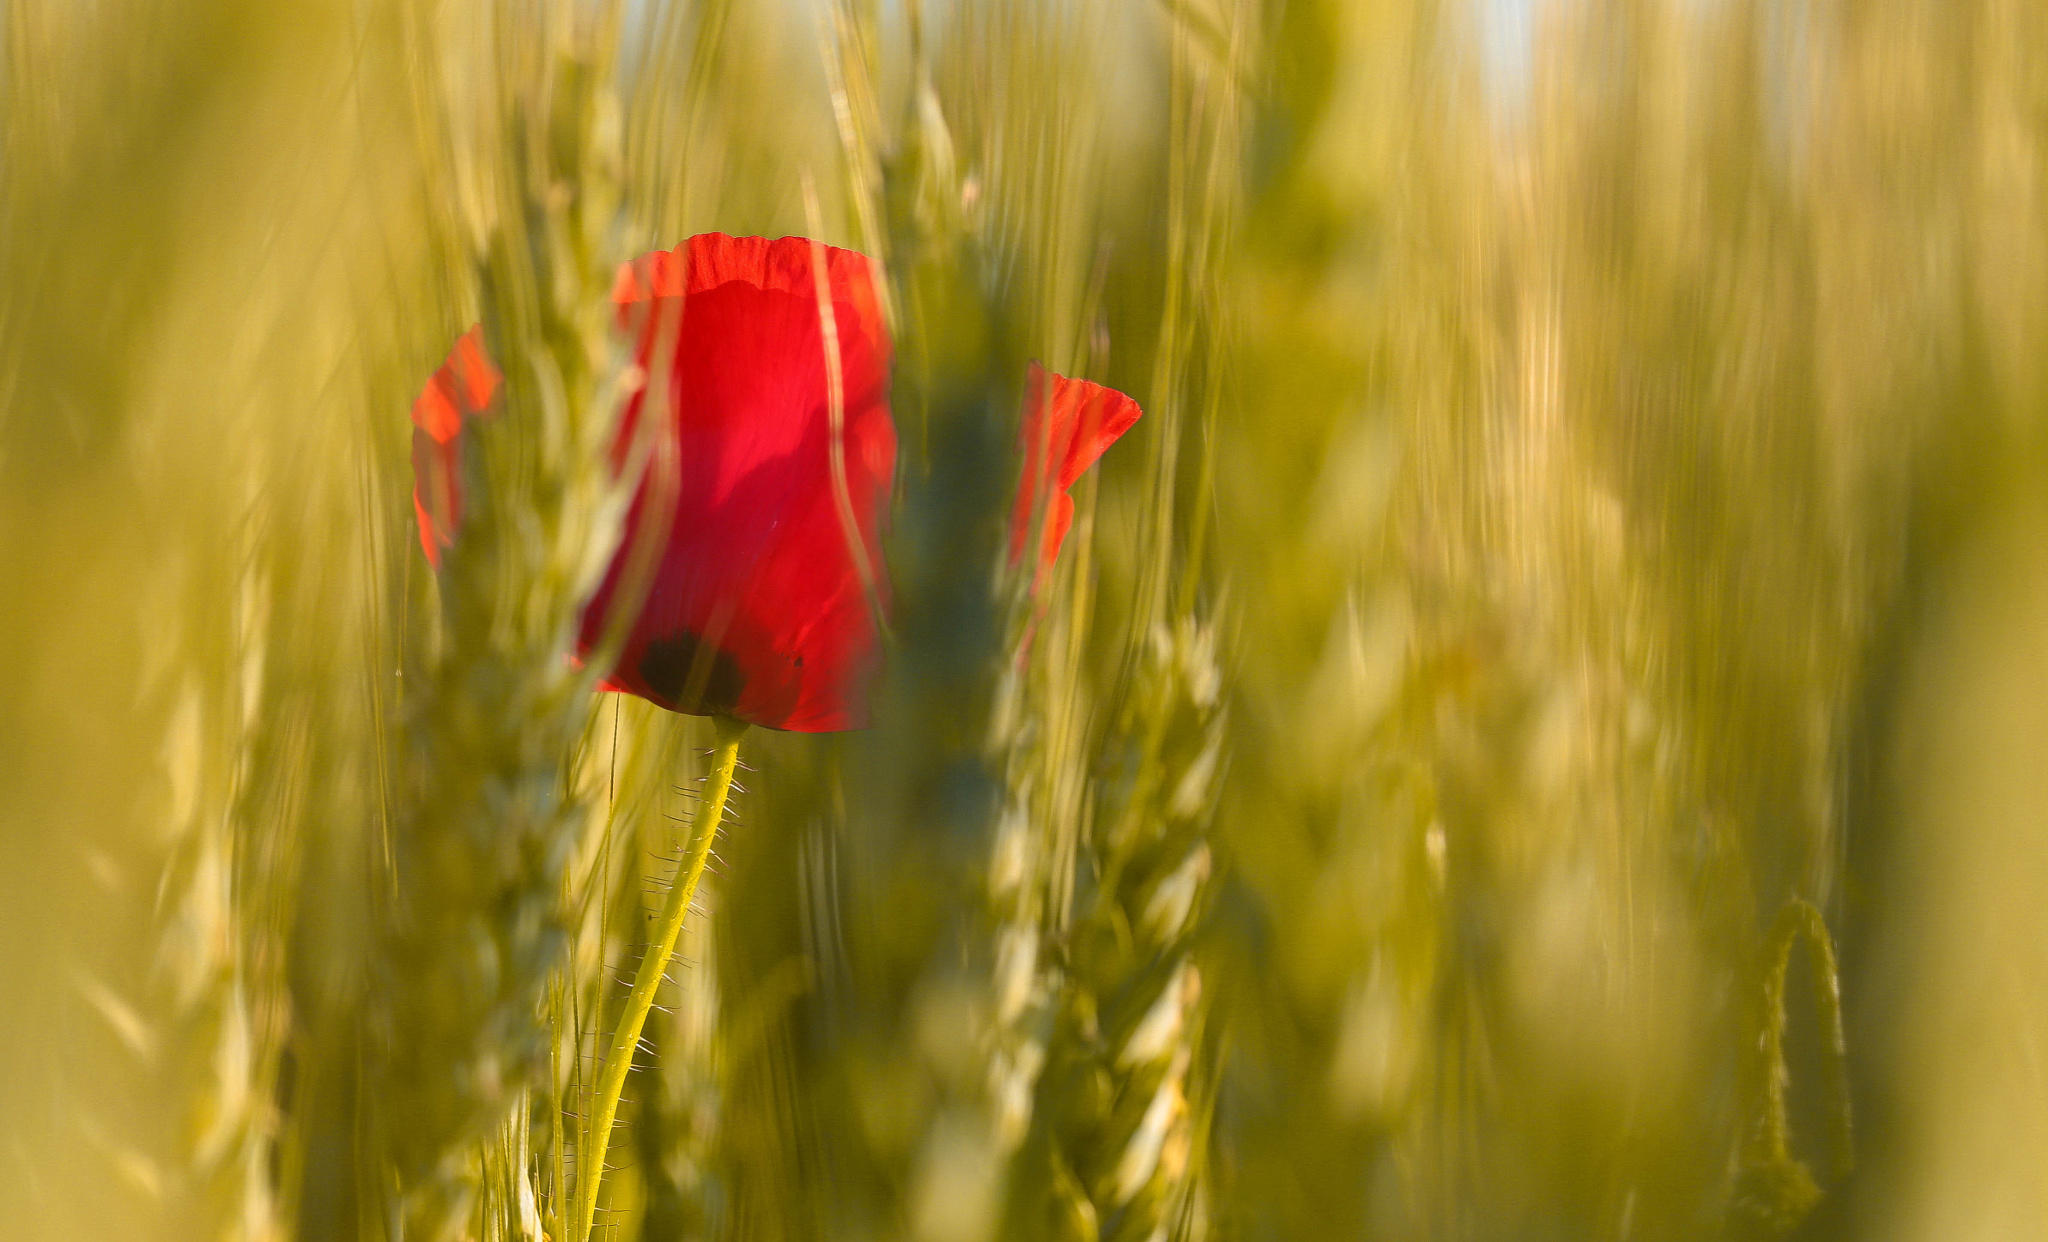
point(761, 601)
point(1068, 425)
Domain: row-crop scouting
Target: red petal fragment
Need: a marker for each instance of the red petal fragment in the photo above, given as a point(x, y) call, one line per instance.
point(1068, 423)
point(464, 387)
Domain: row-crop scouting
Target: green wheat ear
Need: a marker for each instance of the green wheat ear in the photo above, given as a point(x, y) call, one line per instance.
point(489, 814)
point(1120, 1127)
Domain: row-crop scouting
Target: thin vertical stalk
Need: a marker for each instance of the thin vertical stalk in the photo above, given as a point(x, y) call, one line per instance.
point(647, 980)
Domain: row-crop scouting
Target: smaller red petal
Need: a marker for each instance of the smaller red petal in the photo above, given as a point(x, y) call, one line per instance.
point(464, 387)
point(1099, 417)
point(1068, 425)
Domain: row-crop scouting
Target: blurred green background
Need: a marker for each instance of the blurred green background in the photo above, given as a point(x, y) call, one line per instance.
point(1537, 733)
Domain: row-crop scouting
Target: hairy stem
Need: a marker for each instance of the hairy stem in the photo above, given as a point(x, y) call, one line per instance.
point(648, 979)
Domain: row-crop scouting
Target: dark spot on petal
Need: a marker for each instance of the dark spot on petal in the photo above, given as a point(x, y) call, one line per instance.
point(690, 675)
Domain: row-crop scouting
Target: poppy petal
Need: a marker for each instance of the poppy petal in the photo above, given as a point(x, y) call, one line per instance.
point(464, 387)
point(1068, 425)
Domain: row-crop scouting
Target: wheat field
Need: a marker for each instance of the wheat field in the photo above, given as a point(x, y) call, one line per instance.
point(1533, 735)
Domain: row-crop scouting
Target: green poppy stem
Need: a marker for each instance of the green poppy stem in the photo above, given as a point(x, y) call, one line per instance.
point(647, 980)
